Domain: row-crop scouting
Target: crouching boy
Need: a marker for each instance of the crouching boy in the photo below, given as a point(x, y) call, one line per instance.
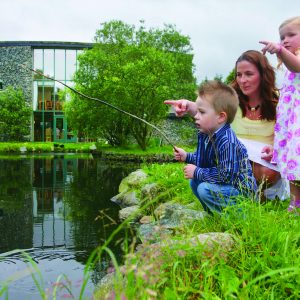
point(219, 169)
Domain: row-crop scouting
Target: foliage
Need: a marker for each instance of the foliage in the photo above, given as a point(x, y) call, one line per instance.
point(15, 184)
point(218, 77)
point(38, 74)
point(134, 69)
point(15, 115)
point(230, 77)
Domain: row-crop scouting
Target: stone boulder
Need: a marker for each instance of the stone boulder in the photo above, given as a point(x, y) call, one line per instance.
point(131, 211)
point(133, 180)
point(150, 191)
point(175, 215)
point(148, 259)
point(126, 198)
point(153, 232)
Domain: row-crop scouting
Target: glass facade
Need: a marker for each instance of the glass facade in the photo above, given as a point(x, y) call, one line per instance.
point(49, 123)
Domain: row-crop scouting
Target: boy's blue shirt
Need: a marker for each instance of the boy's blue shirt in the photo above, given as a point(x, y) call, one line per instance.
point(223, 159)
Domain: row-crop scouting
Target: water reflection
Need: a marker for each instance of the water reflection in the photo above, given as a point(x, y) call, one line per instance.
point(55, 207)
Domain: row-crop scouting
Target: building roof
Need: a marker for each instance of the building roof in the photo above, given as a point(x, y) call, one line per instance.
point(47, 44)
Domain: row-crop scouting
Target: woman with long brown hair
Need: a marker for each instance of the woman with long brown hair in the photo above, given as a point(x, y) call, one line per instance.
point(254, 83)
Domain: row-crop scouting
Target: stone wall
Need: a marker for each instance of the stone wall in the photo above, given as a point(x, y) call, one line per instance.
point(11, 72)
point(181, 131)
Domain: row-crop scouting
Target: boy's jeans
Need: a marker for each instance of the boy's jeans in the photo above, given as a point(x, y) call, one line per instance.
point(214, 197)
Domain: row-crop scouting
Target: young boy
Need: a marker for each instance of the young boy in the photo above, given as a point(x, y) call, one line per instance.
point(219, 169)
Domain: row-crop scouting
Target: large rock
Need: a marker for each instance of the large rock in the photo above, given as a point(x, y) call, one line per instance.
point(153, 232)
point(211, 242)
point(126, 198)
point(175, 215)
point(134, 179)
point(147, 261)
point(170, 216)
point(131, 211)
point(150, 191)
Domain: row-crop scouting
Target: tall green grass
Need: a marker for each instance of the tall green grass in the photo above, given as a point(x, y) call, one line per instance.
point(263, 264)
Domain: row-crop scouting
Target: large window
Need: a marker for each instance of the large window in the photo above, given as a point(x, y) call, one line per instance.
point(57, 63)
point(60, 64)
point(49, 96)
point(49, 62)
point(38, 60)
point(70, 64)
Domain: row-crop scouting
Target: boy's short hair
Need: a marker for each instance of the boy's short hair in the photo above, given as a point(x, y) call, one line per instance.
point(222, 97)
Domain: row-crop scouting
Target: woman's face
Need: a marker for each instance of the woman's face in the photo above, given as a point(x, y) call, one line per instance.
point(248, 78)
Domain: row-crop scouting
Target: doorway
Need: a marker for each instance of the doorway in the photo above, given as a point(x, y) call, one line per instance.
point(60, 129)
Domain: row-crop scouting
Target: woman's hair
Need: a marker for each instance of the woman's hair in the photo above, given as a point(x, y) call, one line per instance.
point(268, 91)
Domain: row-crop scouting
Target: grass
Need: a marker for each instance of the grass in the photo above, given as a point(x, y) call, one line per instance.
point(46, 147)
point(43, 147)
point(264, 264)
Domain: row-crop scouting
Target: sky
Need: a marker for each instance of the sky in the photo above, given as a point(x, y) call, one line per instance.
point(219, 30)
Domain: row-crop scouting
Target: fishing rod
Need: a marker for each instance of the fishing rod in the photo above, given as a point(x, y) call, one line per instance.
point(105, 103)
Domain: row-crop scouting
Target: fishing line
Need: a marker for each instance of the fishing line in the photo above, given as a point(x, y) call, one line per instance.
point(105, 103)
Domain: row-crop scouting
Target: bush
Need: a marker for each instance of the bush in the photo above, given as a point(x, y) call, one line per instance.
point(15, 115)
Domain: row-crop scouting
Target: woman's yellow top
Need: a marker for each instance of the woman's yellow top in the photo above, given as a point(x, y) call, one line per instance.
point(257, 130)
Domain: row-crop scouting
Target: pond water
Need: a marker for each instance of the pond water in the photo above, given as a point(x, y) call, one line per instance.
point(56, 209)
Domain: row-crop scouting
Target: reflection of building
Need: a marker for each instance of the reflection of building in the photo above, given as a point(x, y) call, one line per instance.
point(55, 59)
point(50, 179)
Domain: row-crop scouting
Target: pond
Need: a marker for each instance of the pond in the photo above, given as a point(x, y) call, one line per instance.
point(57, 210)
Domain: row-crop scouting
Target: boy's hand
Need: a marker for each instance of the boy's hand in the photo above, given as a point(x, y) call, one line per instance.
point(180, 106)
point(179, 154)
point(267, 153)
point(189, 171)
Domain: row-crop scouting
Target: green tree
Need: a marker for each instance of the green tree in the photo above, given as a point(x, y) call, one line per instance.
point(15, 115)
point(135, 70)
point(218, 77)
point(230, 77)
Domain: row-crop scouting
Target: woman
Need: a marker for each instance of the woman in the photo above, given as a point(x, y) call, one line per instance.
point(255, 119)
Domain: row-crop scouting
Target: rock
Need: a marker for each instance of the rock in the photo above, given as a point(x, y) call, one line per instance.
point(148, 259)
point(150, 190)
point(210, 240)
point(125, 199)
point(131, 211)
point(134, 179)
point(175, 215)
point(152, 232)
point(23, 149)
point(147, 219)
point(210, 243)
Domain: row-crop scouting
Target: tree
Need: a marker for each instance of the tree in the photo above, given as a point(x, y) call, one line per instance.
point(230, 77)
point(15, 115)
point(218, 77)
point(135, 70)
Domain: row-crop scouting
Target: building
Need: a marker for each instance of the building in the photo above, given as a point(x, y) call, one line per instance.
point(57, 60)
